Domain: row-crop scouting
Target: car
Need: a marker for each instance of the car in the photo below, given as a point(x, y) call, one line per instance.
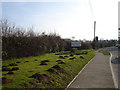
point(117, 45)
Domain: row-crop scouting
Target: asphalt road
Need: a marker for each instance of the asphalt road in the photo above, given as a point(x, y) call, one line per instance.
point(115, 64)
point(95, 76)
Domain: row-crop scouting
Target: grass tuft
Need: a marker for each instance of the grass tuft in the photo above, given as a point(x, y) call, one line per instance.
point(104, 52)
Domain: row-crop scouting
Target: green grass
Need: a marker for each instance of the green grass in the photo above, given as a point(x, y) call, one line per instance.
point(104, 52)
point(20, 78)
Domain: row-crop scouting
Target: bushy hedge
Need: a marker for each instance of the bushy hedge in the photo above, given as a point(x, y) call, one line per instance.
point(17, 43)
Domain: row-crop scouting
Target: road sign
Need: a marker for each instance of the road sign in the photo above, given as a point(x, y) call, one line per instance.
point(75, 44)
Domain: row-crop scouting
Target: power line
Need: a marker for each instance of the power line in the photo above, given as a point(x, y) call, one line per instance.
point(94, 40)
point(91, 9)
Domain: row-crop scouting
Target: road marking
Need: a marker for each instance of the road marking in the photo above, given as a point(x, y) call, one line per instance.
point(78, 74)
point(114, 80)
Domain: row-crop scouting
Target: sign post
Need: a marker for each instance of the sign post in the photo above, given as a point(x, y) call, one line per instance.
point(75, 44)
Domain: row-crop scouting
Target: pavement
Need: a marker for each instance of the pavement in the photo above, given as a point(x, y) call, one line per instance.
point(96, 74)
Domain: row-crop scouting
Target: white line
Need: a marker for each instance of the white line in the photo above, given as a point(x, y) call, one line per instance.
point(78, 74)
point(114, 80)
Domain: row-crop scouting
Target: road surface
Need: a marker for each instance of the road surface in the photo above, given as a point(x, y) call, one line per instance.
point(115, 64)
point(97, 74)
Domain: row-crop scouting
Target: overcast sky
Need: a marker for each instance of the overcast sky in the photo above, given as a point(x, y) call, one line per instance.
point(67, 18)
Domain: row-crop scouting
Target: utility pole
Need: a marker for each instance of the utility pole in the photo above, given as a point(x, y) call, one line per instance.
point(94, 29)
point(94, 39)
point(119, 37)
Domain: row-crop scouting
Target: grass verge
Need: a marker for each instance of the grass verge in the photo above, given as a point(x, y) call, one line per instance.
point(104, 52)
point(53, 70)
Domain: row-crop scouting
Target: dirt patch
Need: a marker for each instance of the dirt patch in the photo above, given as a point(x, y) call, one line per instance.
point(35, 60)
point(72, 58)
point(65, 56)
point(10, 72)
point(26, 61)
point(5, 80)
point(5, 68)
point(42, 78)
point(77, 53)
point(13, 64)
point(51, 70)
point(43, 63)
point(56, 69)
point(32, 85)
point(30, 71)
point(60, 62)
point(61, 57)
point(17, 62)
point(24, 85)
point(82, 57)
point(71, 55)
point(59, 69)
point(15, 68)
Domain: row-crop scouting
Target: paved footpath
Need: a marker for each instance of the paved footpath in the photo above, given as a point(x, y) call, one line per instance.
point(97, 74)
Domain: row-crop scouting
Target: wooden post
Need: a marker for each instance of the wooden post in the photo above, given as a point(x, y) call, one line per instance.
point(94, 29)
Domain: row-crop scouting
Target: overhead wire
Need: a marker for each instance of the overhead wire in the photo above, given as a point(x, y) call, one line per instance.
point(91, 10)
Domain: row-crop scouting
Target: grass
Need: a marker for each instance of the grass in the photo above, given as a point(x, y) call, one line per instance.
point(104, 52)
point(20, 78)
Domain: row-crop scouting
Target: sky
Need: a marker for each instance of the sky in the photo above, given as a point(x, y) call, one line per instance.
point(68, 18)
point(119, 18)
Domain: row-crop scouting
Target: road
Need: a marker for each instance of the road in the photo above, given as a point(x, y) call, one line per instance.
point(115, 64)
point(101, 73)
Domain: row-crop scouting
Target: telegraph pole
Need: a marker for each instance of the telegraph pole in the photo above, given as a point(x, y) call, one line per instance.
point(119, 37)
point(94, 29)
point(94, 38)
